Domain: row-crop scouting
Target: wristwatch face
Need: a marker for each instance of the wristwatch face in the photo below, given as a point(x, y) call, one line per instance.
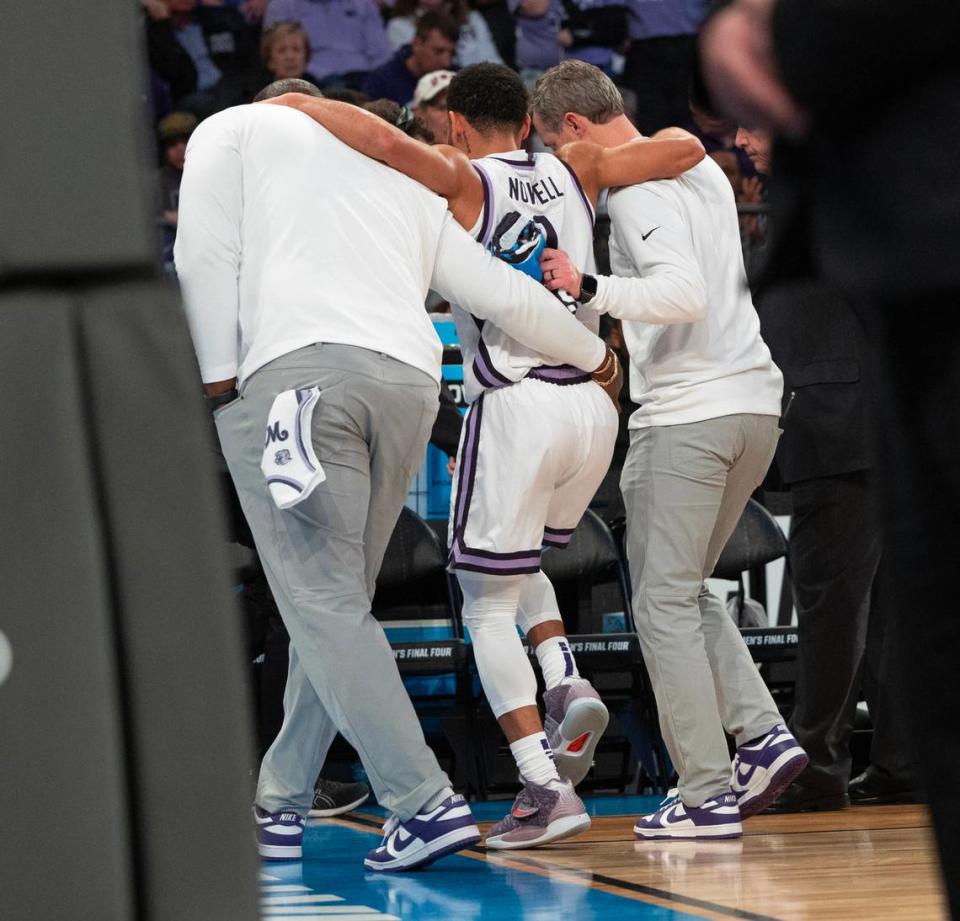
point(588, 288)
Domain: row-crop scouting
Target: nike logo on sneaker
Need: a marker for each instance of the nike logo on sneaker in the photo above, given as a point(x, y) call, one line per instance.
point(744, 776)
point(523, 812)
point(644, 236)
point(399, 841)
point(674, 815)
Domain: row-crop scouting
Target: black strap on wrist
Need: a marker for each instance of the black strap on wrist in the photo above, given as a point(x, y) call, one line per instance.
point(588, 288)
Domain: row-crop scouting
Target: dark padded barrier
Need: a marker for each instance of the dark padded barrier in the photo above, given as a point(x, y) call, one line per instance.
point(76, 163)
point(124, 720)
point(125, 742)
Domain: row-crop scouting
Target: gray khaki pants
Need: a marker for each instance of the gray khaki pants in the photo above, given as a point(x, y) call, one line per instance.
point(685, 487)
point(321, 558)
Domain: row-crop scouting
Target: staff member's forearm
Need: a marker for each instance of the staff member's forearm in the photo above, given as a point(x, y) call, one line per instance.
point(666, 298)
point(490, 290)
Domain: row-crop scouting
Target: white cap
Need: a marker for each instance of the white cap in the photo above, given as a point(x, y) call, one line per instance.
point(429, 85)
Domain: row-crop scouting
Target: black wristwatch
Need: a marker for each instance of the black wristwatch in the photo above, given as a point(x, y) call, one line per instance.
point(588, 288)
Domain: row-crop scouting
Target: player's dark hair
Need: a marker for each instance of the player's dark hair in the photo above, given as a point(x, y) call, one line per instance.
point(489, 97)
point(288, 85)
point(446, 25)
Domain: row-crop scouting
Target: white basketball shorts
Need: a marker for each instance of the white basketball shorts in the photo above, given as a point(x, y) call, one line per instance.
point(531, 458)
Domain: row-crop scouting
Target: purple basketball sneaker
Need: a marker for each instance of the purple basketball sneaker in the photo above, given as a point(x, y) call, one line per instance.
point(763, 769)
point(279, 834)
point(574, 722)
point(716, 818)
point(540, 814)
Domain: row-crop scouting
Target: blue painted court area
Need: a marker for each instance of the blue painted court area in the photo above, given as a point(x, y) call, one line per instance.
point(331, 884)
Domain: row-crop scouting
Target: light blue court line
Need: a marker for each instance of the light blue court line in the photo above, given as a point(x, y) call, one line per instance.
point(454, 889)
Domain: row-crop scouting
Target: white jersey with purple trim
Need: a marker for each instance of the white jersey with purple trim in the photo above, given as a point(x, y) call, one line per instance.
point(531, 202)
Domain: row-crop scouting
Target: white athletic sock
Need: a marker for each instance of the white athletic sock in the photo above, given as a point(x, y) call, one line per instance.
point(556, 661)
point(436, 800)
point(535, 759)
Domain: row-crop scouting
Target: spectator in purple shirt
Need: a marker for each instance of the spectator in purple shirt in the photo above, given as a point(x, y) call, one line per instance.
point(347, 38)
point(660, 61)
point(538, 36)
point(433, 47)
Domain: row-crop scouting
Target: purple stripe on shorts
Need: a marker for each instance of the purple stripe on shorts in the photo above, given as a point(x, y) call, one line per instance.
point(467, 469)
point(583, 195)
point(508, 563)
point(493, 555)
point(293, 484)
point(464, 559)
point(559, 374)
point(301, 448)
point(483, 367)
point(487, 204)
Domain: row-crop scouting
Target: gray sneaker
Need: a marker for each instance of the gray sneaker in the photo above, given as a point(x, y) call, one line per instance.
point(540, 814)
point(574, 722)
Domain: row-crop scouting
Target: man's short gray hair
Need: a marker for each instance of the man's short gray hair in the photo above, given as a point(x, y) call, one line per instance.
point(575, 86)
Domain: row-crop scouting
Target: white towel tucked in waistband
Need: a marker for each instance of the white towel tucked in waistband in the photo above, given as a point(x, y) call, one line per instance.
point(289, 463)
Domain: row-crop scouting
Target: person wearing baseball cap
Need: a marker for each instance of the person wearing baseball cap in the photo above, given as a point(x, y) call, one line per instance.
point(430, 103)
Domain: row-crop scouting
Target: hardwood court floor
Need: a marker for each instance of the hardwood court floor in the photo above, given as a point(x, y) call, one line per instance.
point(861, 863)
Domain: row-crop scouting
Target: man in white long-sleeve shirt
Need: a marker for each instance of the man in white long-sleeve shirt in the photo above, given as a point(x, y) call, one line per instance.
point(701, 441)
point(304, 266)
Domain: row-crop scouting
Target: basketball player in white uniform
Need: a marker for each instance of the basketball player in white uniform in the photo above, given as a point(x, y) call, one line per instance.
point(538, 436)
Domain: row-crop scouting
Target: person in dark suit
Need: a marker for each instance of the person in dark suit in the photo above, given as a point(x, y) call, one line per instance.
point(867, 191)
point(827, 459)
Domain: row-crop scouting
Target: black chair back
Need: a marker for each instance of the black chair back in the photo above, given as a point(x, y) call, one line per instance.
point(414, 567)
point(756, 541)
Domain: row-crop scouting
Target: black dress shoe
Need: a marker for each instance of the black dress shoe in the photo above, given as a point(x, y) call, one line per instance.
point(799, 798)
point(877, 788)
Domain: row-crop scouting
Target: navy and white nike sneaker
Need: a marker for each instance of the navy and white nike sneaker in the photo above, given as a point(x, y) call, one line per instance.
point(762, 770)
point(279, 834)
point(716, 818)
point(427, 837)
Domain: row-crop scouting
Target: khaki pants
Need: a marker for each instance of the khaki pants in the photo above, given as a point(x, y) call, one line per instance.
point(321, 558)
point(685, 487)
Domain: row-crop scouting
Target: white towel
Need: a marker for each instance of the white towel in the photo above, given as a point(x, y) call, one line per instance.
point(289, 463)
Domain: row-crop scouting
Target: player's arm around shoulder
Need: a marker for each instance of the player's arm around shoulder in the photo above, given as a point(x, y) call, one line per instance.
point(639, 160)
point(370, 135)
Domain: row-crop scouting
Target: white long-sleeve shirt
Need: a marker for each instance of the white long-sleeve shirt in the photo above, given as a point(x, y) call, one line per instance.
point(287, 237)
point(689, 322)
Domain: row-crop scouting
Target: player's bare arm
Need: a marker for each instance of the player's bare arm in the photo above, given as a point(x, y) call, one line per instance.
point(666, 155)
point(442, 169)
